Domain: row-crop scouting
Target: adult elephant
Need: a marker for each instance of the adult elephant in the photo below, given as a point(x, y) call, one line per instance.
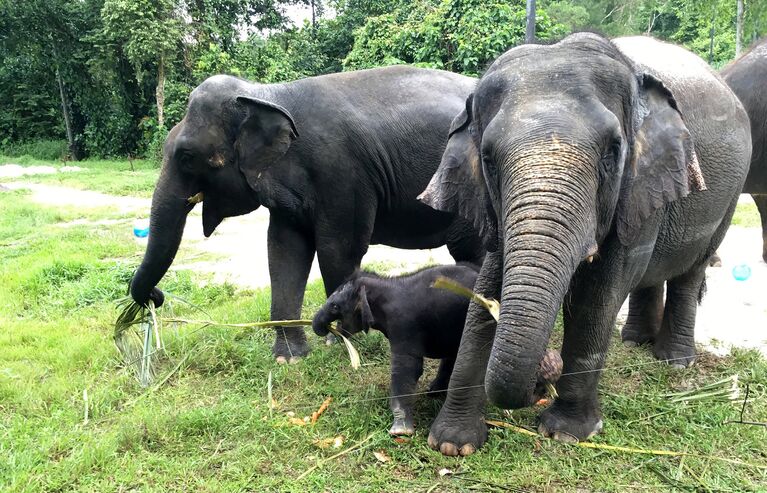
point(337, 159)
point(590, 159)
point(746, 77)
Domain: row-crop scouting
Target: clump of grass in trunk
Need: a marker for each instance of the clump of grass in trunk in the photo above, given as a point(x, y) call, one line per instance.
point(137, 337)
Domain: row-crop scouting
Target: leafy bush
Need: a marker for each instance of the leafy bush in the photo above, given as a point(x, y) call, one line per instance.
point(49, 150)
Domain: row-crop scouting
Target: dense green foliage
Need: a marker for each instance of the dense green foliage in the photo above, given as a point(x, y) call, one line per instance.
point(86, 77)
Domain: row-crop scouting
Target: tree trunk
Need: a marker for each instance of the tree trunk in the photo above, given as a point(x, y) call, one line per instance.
point(530, 30)
point(160, 92)
point(711, 33)
point(65, 109)
point(314, 19)
point(739, 29)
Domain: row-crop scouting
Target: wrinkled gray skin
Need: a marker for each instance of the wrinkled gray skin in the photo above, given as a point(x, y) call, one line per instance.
point(418, 320)
point(578, 160)
point(337, 159)
point(746, 77)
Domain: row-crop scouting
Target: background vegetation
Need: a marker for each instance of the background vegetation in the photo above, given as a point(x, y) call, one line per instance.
point(108, 78)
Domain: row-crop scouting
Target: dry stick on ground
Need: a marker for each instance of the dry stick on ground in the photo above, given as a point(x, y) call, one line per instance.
point(630, 450)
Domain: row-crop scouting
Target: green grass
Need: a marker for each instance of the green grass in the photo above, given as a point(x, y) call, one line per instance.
point(747, 216)
point(210, 428)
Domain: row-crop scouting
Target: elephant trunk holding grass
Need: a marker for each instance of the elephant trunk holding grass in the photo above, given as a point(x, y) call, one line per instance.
point(337, 159)
point(595, 169)
point(746, 77)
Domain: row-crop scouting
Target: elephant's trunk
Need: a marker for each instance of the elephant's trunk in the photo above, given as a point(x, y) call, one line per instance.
point(170, 206)
point(321, 321)
point(547, 233)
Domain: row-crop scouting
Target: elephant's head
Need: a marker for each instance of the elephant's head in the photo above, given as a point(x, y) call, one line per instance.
point(561, 149)
point(348, 304)
point(216, 155)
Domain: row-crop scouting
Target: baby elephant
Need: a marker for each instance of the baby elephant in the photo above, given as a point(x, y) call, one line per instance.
point(419, 321)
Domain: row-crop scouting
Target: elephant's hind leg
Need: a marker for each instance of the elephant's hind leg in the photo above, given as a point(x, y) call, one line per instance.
point(761, 204)
point(645, 316)
point(460, 428)
point(675, 342)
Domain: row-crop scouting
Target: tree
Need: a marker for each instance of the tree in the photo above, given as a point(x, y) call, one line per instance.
point(149, 32)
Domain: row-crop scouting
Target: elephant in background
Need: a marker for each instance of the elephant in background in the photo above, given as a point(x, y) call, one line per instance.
point(747, 78)
point(594, 169)
point(337, 159)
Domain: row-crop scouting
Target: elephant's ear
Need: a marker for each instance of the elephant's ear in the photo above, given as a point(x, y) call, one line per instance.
point(662, 165)
point(264, 136)
point(364, 306)
point(458, 186)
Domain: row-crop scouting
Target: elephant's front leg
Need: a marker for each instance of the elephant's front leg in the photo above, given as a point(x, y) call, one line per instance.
point(590, 311)
point(291, 252)
point(405, 372)
point(460, 427)
point(761, 204)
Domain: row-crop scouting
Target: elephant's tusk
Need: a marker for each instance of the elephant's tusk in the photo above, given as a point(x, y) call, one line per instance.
point(196, 198)
point(590, 259)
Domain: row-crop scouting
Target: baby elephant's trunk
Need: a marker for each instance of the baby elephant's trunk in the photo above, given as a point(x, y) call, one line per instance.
point(321, 321)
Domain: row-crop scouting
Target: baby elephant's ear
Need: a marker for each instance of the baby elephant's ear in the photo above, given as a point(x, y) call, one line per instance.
point(662, 166)
point(459, 184)
point(367, 315)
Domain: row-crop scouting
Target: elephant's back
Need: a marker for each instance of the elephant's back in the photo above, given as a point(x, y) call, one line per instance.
point(746, 76)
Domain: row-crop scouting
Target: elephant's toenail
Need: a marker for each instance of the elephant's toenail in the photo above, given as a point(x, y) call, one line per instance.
point(467, 449)
point(630, 344)
point(281, 360)
point(433, 443)
point(294, 359)
point(448, 448)
point(543, 431)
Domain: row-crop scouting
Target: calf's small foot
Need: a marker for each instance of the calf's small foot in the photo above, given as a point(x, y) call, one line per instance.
point(402, 427)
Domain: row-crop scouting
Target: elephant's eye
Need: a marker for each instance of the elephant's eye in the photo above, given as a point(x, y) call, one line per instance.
point(185, 160)
point(334, 307)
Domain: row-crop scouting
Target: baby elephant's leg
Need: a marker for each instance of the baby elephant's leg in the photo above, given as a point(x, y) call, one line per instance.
point(405, 372)
point(442, 380)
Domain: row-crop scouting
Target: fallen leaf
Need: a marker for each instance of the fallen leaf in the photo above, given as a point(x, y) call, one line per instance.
point(543, 402)
point(401, 440)
point(307, 419)
point(296, 421)
point(335, 442)
point(338, 441)
point(381, 456)
point(444, 472)
point(290, 414)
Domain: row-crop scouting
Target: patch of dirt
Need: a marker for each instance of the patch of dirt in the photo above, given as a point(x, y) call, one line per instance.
point(16, 171)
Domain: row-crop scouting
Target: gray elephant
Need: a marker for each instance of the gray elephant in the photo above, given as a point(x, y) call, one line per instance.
point(595, 169)
point(746, 77)
point(337, 159)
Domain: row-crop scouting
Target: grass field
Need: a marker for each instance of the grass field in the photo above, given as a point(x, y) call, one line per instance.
point(210, 426)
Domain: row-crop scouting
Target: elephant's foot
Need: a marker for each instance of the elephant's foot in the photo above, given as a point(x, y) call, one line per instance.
point(568, 423)
point(402, 427)
point(454, 434)
point(633, 335)
point(290, 346)
point(676, 355)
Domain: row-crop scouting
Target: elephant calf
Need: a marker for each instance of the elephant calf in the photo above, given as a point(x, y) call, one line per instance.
point(419, 322)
